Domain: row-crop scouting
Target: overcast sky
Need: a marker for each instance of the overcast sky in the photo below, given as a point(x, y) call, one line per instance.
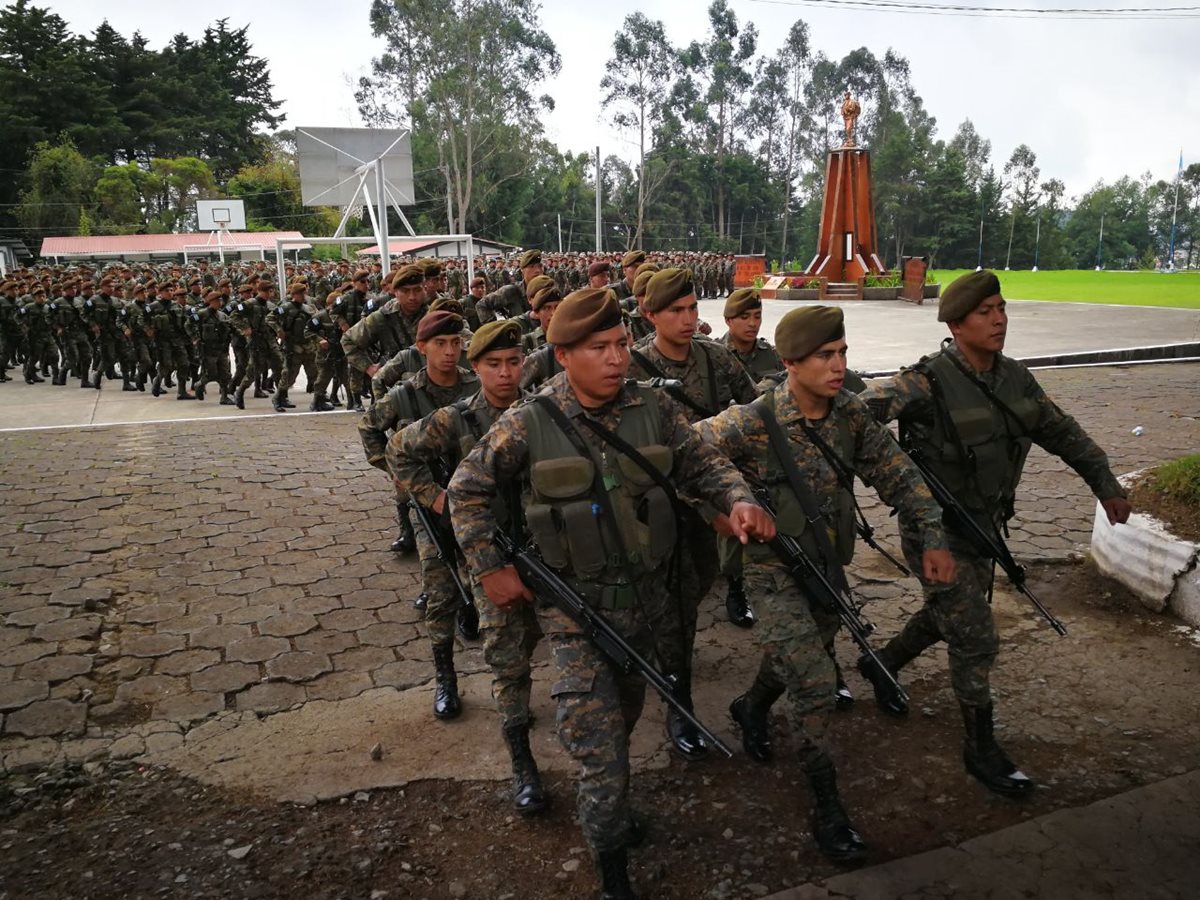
point(1094, 99)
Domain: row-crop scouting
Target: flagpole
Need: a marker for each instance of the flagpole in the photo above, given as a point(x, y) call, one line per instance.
point(1175, 213)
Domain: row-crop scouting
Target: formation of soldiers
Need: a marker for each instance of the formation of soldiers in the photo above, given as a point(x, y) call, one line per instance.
point(640, 459)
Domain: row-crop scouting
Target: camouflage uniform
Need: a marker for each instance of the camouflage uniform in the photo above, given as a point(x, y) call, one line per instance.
point(99, 312)
point(796, 633)
point(298, 348)
point(505, 302)
point(262, 350)
point(760, 362)
point(331, 360)
point(381, 335)
point(438, 442)
point(211, 330)
point(407, 402)
point(597, 706)
point(539, 367)
point(640, 327)
point(960, 613)
point(347, 310)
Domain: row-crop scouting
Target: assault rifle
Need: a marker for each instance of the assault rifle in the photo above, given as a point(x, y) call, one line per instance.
point(449, 555)
point(814, 582)
point(549, 587)
point(989, 545)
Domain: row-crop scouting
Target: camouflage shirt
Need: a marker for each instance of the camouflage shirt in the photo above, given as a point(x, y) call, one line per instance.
point(727, 379)
point(698, 472)
point(396, 409)
point(761, 361)
point(739, 433)
point(384, 333)
point(907, 396)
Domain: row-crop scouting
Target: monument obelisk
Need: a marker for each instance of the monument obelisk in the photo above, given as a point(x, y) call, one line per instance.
point(846, 245)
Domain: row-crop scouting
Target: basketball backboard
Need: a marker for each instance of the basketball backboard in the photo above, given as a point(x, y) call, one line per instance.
point(331, 160)
point(220, 215)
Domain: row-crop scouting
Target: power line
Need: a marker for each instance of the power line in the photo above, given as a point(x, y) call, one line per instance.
point(1114, 14)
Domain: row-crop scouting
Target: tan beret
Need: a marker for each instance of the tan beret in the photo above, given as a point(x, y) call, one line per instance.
point(545, 295)
point(298, 287)
point(501, 334)
point(361, 275)
point(530, 258)
point(538, 283)
point(447, 303)
point(430, 267)
point(965, 293)
point(406, 276)
point(741, 300)
point(582, 313)
point(633, 258)
point(213, 295)
point(666, 287)
point(803, 330)
point(439, 324)
point(640, 282)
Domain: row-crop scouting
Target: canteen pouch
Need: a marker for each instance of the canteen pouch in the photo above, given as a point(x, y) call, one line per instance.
point(565, 528)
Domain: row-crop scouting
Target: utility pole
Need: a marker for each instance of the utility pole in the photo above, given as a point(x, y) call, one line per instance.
point(599, 248)
point(560, 234)
point(1037, 243)
point(1100, 245)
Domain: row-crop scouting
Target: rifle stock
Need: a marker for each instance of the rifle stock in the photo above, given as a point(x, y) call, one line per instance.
point(549, 587)
point(984, 543)
point(446, 554)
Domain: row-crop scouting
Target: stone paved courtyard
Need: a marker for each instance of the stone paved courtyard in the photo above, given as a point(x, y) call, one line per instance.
point(152, 578)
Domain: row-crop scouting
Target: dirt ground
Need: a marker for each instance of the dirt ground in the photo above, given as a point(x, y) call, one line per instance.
point(1108, 708)
point(1181, 517)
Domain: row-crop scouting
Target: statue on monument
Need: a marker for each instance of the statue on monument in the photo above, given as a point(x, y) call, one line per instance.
point(850, 113)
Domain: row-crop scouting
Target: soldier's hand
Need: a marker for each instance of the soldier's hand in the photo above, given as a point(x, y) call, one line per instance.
point(323, 344)
point(938, 566)
point(1117, 509)
point(344, 326)
point(439, 504)
point(750, 521)
point(279, 334)
point(372, 369)
point(247, 331)
point(505, 588)
point(703, 327)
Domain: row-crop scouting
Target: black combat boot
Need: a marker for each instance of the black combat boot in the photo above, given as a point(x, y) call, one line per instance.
point(320, 404)
point(834, 834)
point(239, 398)
point(736, 605)
point(127, 383)
point(612, 868)
point(843, 699)
point(156, 385)
point(528, 796)
point(277, 404)
point(199, 389)
point(751, 712)
point(886, 696)
point(446, 704)
point(420, 602)
point(225, 399)
point(407, 540)
point(167, 382)
point(182, 394)
point(60, 375)
point(84, 382)
point(141, 382)
point(984, 757)
point(686, 740)
point(468, 622)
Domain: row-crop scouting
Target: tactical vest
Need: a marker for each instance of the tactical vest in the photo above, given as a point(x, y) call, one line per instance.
point(789, 514)
point(563, 514)
point(214, 330)
point(975, 447)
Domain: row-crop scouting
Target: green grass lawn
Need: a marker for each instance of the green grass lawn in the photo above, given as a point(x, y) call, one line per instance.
point(1180, 290)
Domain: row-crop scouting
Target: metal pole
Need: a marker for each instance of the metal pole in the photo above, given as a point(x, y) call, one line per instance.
point(384, 258)
point(560, 234)
point(1037, 243)
point(979, 265)
point(1011, 232)
point(599, 248)
point(1175, 214)
point(1100, 245)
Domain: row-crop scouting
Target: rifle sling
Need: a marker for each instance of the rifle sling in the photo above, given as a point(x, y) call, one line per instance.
point(808, 503)
point(678, 393)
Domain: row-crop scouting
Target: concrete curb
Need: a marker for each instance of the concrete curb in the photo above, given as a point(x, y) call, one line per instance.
point(1143, 554)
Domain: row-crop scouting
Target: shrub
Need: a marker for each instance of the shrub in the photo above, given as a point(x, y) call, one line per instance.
point(1180, 479)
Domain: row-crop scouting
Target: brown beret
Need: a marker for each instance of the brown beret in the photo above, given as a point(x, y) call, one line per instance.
point(439, 324)
point(537, 284)
point(803, 330)
point(298, 287)
point(361, 275)
point(741, 300)
point(582, 313)
point(501, 334)
point(212, 295)
point(407, 276)
point(600, 267)
point(965, 293)
point(640, 282)
point(666, 287)
point(633, 258)
point(447, 303)
point(544, 295)
point(529, 258)
point(430, 267)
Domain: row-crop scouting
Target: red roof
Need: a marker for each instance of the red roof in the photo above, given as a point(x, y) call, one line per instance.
point(164, 244)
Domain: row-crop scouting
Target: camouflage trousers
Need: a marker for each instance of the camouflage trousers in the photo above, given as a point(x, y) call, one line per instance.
point(598, 708)
point(958, 614)
point(508, 642)
point(441, 610)
point(261, 357)
point(796, 635)
point(295, 359)
point(173, 357)
point(215, 367)
point(691, 578)
point(331, 367)
point(77, 353)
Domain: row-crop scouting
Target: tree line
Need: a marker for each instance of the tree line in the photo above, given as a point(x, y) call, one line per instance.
point(719, 144)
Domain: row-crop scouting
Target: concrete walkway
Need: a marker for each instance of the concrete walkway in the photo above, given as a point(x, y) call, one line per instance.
point(1140, 844)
